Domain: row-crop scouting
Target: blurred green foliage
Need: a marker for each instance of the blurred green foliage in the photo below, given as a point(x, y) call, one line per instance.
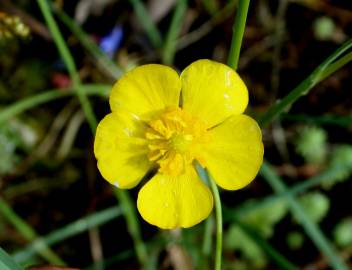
point(343, 232)
point(311, 143)
point(67, 183)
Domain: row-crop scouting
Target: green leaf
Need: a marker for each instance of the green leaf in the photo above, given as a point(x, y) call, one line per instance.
point(6, 262)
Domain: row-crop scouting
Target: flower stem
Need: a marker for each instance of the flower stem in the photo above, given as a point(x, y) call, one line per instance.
point(133, 226)
point(237, 33)
point(218, 214)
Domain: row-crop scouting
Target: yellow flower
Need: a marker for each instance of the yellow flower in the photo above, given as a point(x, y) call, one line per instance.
point(162, 122)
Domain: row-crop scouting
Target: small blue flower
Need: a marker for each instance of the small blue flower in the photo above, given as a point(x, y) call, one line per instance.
point(111, 42)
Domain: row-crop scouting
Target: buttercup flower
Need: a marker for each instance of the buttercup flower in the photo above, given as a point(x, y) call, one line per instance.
point(162, 122)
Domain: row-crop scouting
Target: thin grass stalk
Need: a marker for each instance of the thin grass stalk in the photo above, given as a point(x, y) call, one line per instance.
point(218, 216)
point(311, 228)
point(207, 239)
point(237, 33)
point(343, 121)
point(330, 65)
point(47, 96)
point(330, 173)
point(271, 252)
point(28, 233)
point(79, 226)
point(334, 66)
point(68, 59)
point(147, 23)
point(129, 212)
point(169, 49)
point(207, 27)
point(204, 175)
point(7, 263)
point(103, 60)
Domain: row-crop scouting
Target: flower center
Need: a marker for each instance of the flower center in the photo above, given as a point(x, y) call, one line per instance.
point(174, 140)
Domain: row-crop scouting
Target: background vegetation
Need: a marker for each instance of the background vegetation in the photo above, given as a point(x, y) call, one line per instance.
point(58, 60)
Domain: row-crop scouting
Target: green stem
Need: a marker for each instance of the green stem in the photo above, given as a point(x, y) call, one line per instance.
point(130, 215)
point(205, 176)
point(237, 33)
point(218, 214)
point(336, 65)
point(208, 228)
point(173, 32)
point(68, 59)
point(309, 226)
point(330, 65)
point(343, 121)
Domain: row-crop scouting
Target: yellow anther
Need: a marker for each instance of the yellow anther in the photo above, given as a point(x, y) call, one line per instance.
point(174, 140)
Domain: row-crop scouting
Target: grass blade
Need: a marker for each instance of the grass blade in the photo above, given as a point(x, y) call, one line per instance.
point(207, 27)
point(68, 59)
point(147, 23)
point(133, 226)
point(327, 175)
point(330, 65)
point(47, 96)
point(7, 263)
point(237, 33)
point(173, 32)
point(343, 121)
point(102, 59)
point(28, 233)
point(270, 251)
point(309, 226)
point(70, 230)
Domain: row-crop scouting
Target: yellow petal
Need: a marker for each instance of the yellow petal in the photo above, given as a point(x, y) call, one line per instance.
point(146, 89)
point(212, 91)
point(235, 152)
point(121, 150)
point(171, 202)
